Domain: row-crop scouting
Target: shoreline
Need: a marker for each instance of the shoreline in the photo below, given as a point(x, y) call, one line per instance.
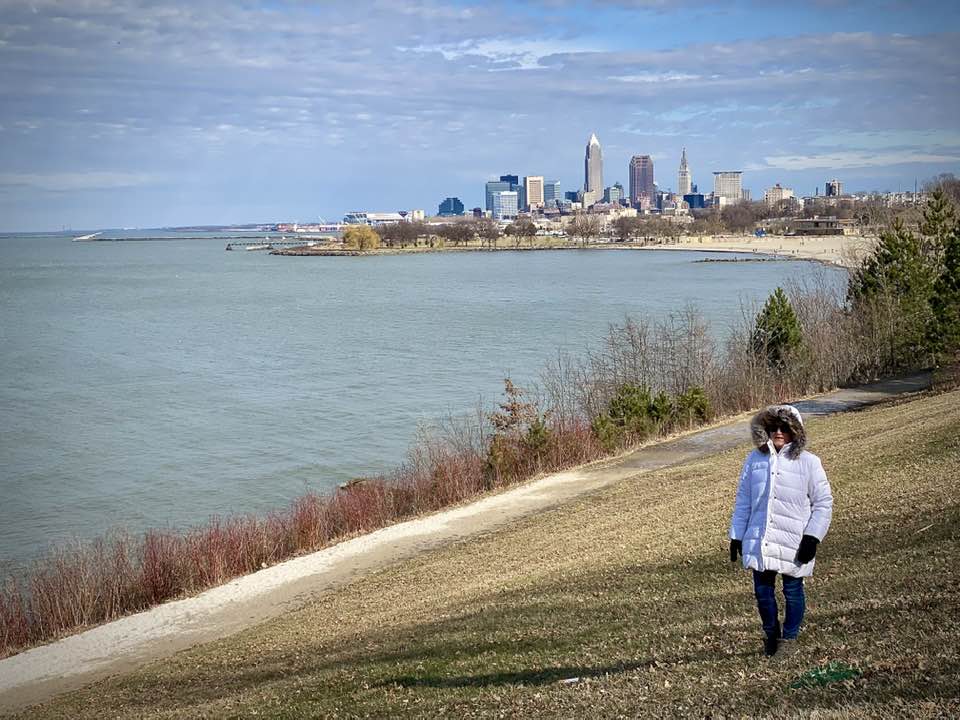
point(834, 250)
point(45, 671)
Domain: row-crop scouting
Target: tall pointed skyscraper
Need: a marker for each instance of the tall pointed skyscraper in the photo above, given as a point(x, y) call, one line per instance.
point(592, 172)
point(683, 177)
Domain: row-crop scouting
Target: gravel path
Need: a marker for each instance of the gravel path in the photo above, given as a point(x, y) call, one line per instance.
point(41, 673)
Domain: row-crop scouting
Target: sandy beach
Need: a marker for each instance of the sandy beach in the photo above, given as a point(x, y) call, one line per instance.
point(834, 249)
point(843, 250)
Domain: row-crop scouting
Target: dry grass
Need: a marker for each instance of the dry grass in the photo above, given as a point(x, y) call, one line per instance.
point(628, 590)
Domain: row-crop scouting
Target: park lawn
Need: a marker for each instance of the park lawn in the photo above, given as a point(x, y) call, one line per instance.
point(628, 590)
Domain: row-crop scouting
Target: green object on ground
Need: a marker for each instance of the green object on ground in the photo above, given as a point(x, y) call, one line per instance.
point(825, 674)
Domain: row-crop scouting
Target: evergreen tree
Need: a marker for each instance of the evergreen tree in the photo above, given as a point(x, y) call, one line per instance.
point(892, 291)
point(946, 297)
point(896, 266)
point(938, 222)
point(776, 332)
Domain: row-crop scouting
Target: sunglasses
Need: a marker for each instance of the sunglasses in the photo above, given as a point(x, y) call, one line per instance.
point(782, 427)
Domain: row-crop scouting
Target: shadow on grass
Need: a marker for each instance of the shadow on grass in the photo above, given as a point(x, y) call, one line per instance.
point(551, 675)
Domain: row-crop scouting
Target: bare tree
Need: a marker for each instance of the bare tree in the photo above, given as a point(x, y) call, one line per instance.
point(626, 227)
point(583, 227)
point(457, 233)
point(522, 229)
point(488, 231)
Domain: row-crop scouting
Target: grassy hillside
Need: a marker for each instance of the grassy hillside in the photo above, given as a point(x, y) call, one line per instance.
point(629, 590)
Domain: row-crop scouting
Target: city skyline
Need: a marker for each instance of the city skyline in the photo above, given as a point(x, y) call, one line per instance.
point(162, 112)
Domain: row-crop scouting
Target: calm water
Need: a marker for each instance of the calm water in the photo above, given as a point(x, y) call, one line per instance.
point(157, 383)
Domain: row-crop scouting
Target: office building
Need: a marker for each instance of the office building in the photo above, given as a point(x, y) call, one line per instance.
point(641, 179)
point(833, 188)
point(450, 206)
point(776, 195)
point(514, 180)
point(492, 187)
point(505, 205)
point(613, 194)
point(694, 200)
point(727, 184)
point(551, 192)
point(533, 187)
point(573, 195)
point(592, 172)
point(683, 177)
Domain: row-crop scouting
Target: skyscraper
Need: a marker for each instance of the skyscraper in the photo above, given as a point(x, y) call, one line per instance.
point(534, 187)
point(495, 186)
point(833, 188)
point(641, 178)
point(613, 194)
point(551, 191)
point(727, 185)
point(683, 177)
point(592, 172)
point(505, 204)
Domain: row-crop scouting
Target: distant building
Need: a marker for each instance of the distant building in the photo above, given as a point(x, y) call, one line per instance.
point(450, 206)
point(478, 212)
point(727, 185)
point(495, 186)
point(512, 179)
point(358, 217)
point(505, 205)
point(694, 200)
point(776, 195)
point(592, 172)
point(572, 195)
point(641, 179)
point(533, 191)
point(833, 188)
point(819, 226)
point(614, 193)
point(683, 177)
point(416, 215)
point(745, 194)
point(551, 191)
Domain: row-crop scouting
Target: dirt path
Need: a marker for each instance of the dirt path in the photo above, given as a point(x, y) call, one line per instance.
point(44, 672)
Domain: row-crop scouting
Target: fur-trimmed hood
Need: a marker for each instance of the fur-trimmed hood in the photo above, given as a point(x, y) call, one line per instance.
point(782, 413)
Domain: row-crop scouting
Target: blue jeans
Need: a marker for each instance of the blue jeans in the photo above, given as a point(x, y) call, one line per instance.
point(764, 585)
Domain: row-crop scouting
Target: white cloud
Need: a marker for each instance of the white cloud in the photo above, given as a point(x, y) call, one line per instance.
point(888, 139)
point(844, 160)
point(651, 77)
point(519, 53)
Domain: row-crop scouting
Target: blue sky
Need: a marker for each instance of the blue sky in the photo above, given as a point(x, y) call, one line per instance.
point(141, 113)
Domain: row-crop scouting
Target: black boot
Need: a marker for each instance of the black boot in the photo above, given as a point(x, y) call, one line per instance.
point(770, 646)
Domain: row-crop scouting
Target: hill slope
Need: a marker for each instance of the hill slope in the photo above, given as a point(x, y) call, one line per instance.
point(630, 591)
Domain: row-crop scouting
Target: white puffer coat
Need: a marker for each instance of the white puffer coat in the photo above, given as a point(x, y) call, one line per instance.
point(780, 498)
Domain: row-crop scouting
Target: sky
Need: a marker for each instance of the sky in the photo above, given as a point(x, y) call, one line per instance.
point(148, 113)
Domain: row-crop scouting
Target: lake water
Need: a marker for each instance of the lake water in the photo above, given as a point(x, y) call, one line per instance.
point(157, 383)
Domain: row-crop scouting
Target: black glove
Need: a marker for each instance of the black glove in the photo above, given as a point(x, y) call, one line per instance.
point(736, 548)
point(807, 549)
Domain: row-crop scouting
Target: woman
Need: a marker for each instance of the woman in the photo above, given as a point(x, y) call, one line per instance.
point(782, 512)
